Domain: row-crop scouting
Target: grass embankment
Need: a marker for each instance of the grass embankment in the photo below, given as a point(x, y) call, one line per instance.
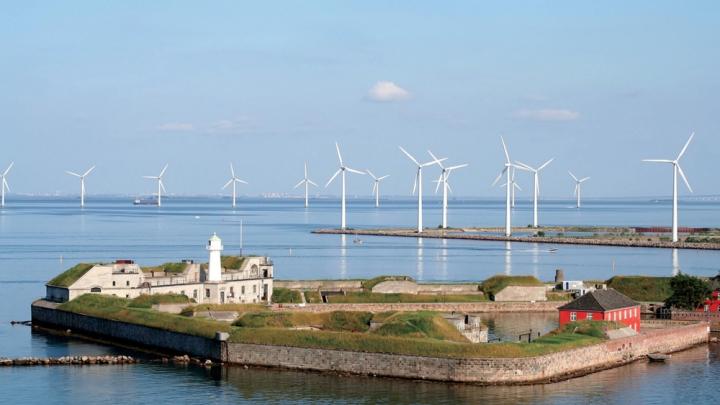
point(239, 308)
point(495, 284)
point(642, 288)
point(233, 262)
point(71, 275)
point(170, 268)
point(108, 307)
point(359, 297)
point(368, 285)
point(286, 296)
point(335, 321)
point(147, 301)
point(422, 324)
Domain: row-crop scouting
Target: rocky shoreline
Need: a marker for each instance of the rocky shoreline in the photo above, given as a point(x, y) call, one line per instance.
point(66, 360)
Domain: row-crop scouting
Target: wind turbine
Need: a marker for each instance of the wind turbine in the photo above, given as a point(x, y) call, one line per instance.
point(376, 186)
point(515, 187)
point(82, 183)
point(508, 187)
point(676, 169)
point(161, 186)
point(307, 182)
point(342, 171)
point(444, 174)
point(418, 184)
point(536, 188)
point(577, 187)
point(4, 186)
point(233, 180)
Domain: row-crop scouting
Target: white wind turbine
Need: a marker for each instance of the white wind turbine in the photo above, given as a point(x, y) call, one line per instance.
point(161, 186)
point(418, 184)
point(233, 180)
point(307, 182)
point(342, 171)
point(536, 188)
point(508, 187)
point(676, 169)
point(82, 183)
point(4, 186)
point(376, 186)
point(515, 187)
point(444, 174)
point(577, 187)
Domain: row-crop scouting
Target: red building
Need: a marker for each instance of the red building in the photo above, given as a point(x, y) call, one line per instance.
point(602, 305)
point(711, 304)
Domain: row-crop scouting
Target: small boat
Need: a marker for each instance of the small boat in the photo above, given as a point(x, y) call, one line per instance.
point(552, 250)
point(357, 241)
point(658, 357)
point(139, 201)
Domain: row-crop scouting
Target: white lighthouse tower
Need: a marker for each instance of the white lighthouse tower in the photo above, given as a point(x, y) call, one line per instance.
point(215, 248)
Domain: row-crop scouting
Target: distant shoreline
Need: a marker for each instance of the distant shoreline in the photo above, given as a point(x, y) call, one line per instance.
point(556, 240)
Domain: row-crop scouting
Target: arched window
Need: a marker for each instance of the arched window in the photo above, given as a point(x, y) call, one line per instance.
point(254, 270)
point(95, 290)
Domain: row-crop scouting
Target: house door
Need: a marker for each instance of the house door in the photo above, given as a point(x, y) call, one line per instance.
point(222, 297)
point(265, 292)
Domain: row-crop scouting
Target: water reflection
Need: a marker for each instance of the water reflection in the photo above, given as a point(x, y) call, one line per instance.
point(343, 256)
point(675, 262)
point(508, 258)
point(535, 252)
point(420, 261)
point(444, 259)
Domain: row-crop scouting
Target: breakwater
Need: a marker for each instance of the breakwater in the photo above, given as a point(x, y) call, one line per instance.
point(66, 361)
point(555, 240)
point(487, 371)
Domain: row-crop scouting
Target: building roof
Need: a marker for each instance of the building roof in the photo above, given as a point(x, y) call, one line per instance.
point(600, 300)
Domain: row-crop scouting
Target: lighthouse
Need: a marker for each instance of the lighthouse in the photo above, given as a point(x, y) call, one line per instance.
point(215, 248)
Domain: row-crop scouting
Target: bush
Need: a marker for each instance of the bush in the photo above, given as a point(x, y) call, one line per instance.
point(285, 296)
point(688, 292)
point(642, 288)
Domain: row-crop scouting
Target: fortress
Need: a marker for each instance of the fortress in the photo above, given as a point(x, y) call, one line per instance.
point(224, 279)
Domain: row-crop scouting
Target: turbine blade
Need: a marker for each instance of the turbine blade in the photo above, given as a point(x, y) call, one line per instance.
point(682, 174)
point(507, 155)
point(337, 148)
point(371, 174)
point(163, 170)
point(517, 186)
point(438, 181)
point(151, 177)
point(409, 155)
point(8, 169)
point(240, 180)
point(5, 184)
point(300, 183)
point(232, 171)
point(523, 166)
point(545, 164)
point(435, 158)
point(88, 171)
point(384, 177)
point(312, 182)
point(333, 177)
point(305, 169)
point(162, 186)
point(415, 183)
point(72, 173)
point(457, 167)
point(354, 171)
point(572, 175)
point(499, 176)
point(583, 179)
point(577, 185)
point(658, 160)
point(450, 188)
point(682, 152)
point(434, 162)
point(374, 187)
point(227, 184)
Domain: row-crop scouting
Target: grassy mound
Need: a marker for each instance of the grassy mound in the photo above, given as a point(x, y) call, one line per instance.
point(642, 288)
point(423, 324)
point(233, 262)
point(495, 284)
point(335, 321)
point(170, 267)
point(285, 296)
point(71, 275)
point(368, 285)
point(595, 329)
point(147, 301)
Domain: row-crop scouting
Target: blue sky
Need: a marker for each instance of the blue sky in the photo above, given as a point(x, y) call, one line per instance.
point(129, 86)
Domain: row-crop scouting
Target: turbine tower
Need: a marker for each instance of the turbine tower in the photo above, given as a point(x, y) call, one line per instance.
point(508, 187)
point(577, 187)
point(443, 179)
point(376, 186)
point(4, 186)
point(676, 169)
point(161, 186)
point(418, 185)
point(536, 188)
point(342, 171)
point(82, 183)
point(233, 180)
point(307, 182)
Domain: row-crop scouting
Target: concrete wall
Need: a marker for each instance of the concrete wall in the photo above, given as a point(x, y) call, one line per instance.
point(521, 293)
point(449, 289)
point(482, 371)
point(396, 287)
point(319, 284)
point(44, 313)
point(485, 306)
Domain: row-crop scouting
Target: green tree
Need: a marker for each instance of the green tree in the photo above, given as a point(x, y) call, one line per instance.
point(688, 292)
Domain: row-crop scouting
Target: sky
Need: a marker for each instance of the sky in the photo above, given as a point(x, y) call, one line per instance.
point(130, 86)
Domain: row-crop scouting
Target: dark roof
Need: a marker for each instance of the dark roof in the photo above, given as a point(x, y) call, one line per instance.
point(600, 300)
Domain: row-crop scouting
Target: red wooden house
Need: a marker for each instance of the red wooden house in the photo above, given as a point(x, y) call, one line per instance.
point(711, 304)
point(602, 305)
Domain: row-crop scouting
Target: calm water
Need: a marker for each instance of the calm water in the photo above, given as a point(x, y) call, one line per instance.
point(39, 238)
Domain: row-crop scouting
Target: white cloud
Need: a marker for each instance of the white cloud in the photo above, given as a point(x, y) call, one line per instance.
point(176, 127)
point(547, 114)
point(385, 91)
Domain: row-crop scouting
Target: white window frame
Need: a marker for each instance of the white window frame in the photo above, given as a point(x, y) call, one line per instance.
point(573, 316)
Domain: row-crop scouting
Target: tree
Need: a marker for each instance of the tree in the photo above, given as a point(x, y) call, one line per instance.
point(688, 292)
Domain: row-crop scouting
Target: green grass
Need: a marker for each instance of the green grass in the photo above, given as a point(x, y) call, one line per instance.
point(354, 321)
point(285, 296)
point(71, 275)
point(495, 284)
point(233, 262)
point(170, 267)
point(642, 288)
point(147, 301)
point(558, 296)
point(239, 308)
point(368, 285)
point(109, 307)
point(312, 297)
point(422, 324)
point(369, 297)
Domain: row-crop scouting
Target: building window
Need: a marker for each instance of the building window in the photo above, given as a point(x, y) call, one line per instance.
point(254, 289)
point(195, 294)
point(127, 283)
point(95, 290)
point(182, 292)
point(589, 316)
point(207, 293)
point(113, 283)
point(127, 295)
point(573, 316)
point(232, 292)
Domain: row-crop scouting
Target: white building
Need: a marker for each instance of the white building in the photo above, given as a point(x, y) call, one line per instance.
point(225, 279)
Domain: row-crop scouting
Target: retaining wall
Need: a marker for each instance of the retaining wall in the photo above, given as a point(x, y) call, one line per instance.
point(485, 306)
point(319, 284)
